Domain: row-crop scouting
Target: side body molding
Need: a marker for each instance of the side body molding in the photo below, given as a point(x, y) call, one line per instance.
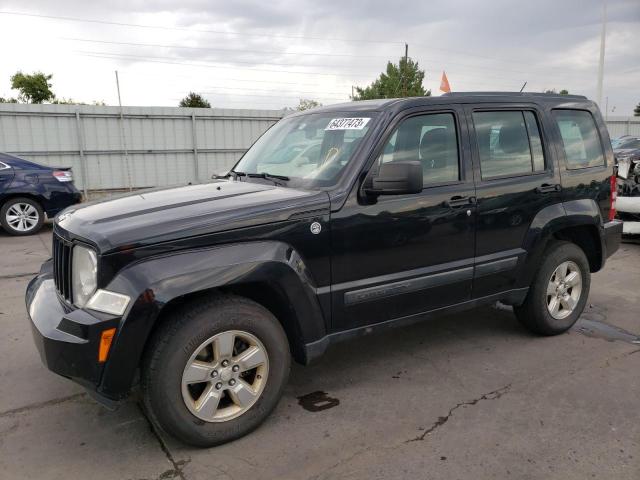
point(549, 220)
point(154, 282)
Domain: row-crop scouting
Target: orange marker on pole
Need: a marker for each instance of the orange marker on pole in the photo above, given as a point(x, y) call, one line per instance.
point(444, 83)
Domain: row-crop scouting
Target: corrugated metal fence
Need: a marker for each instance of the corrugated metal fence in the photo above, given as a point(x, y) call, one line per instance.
point(619, 126)
point(146, 147)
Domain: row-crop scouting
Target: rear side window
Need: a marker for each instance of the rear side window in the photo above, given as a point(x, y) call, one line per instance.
point(582, 146)
point(4, 166)
point(430, 139)
point(509, 143)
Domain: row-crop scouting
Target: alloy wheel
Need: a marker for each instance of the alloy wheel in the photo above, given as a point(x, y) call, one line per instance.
point(22, 217)
point(225, 376)
point(564, 290)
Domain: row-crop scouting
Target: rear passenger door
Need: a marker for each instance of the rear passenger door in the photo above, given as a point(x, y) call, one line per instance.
point(515, 178)
point(583, 165)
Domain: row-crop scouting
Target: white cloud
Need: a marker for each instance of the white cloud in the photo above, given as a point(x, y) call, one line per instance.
point(491, 45)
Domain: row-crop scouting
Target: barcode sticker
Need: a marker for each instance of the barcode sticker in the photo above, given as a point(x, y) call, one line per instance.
point(347, 123)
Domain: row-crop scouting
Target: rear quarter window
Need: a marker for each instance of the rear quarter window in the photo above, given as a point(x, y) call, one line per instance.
point(580, 139)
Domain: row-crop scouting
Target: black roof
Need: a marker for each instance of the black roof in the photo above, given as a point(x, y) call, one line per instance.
point(455, 97)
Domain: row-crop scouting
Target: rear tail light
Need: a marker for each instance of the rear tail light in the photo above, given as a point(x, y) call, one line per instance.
point(614, 196)
point(63, 175)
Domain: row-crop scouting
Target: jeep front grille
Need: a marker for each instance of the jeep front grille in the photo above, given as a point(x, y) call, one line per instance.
point(62, 267)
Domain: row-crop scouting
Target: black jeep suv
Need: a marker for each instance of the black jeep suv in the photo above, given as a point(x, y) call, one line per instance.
point(336, 223)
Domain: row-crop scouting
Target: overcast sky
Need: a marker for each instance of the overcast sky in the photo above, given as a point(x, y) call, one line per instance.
point(269, 54)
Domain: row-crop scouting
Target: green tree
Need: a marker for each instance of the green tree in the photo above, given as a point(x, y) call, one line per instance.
point(66, 101)
point(403, 79)
point(71, 101)
point(636, 111)
point(306, 104)
point(8, 100)
point(561, 92)
point(194, 100)
point(34, 88)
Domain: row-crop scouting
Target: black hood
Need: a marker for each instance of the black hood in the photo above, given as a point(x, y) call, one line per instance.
point(153, 216)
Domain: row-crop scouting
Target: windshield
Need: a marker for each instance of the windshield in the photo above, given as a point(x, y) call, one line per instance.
point(310, 150)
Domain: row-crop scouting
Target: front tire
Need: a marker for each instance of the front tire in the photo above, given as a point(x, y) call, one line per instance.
point(21, 216)
point(215, 370)
point(559, 291)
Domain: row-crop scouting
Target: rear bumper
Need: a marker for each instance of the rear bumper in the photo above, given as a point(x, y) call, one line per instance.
point(58, 200)
point(631, 228)
point(629, 207)
point(612, 236)
point(66, 339)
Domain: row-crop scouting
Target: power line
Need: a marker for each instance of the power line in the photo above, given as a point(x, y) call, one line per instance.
point(427, 59)
point(216, 49)
point(458, 52)
point(189, 29)
point(266, 35)
point(206, 65)
point(271, 96)
point(242, 62)
point(144, 59)
point(221, 87)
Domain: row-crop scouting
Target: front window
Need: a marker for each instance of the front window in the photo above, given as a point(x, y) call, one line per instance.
point(432, 140)
point(310, 150)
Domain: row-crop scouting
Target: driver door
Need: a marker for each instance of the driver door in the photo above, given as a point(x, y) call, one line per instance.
point(401, 255)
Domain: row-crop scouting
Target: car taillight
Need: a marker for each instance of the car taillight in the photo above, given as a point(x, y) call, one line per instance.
point(614, 196)
point(63, 175)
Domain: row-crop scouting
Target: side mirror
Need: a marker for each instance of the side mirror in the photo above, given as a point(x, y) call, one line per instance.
point(397, 178)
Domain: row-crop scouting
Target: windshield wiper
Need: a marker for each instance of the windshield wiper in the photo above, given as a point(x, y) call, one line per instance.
point(269, 176)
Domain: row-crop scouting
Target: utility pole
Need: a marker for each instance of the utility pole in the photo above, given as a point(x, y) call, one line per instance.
point(123, 138)
point(602, 46)
point(404, 74)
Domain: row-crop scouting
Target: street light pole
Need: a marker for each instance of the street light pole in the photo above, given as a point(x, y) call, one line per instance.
point(123, 137)
point(602, 46)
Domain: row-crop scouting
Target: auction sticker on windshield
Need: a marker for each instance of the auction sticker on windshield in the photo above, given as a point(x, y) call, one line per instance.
point(347, 123)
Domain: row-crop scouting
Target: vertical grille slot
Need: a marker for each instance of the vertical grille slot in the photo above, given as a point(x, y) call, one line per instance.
point(62, 266)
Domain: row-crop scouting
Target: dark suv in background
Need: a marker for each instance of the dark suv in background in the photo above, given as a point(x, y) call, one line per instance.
point(29, 191)
point(338, 222)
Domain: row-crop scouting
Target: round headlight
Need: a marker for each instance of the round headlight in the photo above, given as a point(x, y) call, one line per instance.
point(84, 274)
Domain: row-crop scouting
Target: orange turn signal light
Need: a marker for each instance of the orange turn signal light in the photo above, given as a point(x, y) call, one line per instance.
point(106, 337)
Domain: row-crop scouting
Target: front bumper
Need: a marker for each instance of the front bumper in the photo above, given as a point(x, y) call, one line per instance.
point(67, 339)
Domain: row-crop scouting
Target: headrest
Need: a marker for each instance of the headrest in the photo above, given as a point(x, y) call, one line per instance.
point(513, 139)
point(433, 142)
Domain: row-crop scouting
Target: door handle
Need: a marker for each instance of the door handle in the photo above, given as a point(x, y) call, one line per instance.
point(548, 188)
point(458, 201)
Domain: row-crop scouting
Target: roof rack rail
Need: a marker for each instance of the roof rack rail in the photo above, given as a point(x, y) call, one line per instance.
point(522, 94)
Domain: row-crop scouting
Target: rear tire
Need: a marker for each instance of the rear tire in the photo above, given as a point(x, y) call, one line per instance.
point(559, 290)
point(21, 216)
point(203, 396)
